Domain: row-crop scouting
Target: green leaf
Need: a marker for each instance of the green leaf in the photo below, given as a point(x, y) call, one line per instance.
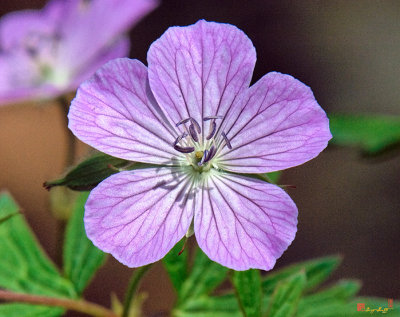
point(24, 267)
point(205, 276)
point(204, 306)
point(330, 299)
point(373, 133)
point(248, 289)
point(316, 270)
point(349, 308)
point(81, 258)
point(6, 217)
point(177, 265)
point(287, 295)
point(86, 175)
point(26, 310)
point(373, 303)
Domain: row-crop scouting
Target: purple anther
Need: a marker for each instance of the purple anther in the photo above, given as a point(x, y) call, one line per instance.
point(193, 133)
point(212, 118)
point(203, 159)
point(210, 153)
point(177, 140)
point(213, 128)
point(228, 143)
point(181, 149)
point(182, 121)
point(194, 122)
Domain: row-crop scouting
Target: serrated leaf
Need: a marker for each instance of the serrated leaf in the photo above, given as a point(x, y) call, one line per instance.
point(204, 277)
point(87, 174)
point(373, 133)
point(25, 310)
point(176, 265)
point(316, 270)
point(24, 267)
point(204, 306)
point(81, 258)
point(248, 289)
point(286, 296)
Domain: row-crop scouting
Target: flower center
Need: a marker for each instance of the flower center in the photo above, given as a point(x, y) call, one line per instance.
point(42, 50)
point(201, 150)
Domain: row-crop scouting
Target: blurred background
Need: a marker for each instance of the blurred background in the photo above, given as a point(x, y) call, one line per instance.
point(348, 52)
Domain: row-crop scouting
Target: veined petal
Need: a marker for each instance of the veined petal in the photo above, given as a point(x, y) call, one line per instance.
point(199, 70)
point(138, 216)
point(276, 125)
point(115, 113)
point(244, 223)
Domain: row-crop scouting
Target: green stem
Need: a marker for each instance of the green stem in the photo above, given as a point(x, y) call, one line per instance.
point(76, 305)
point(133, 285)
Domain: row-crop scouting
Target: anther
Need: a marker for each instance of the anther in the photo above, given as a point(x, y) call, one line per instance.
point(193, 121)
point(203, 159)
point(181, 149)
point(210, 153)
point(184, 135)
point(212, 118)
point(228, 143)
point(213, 128)
point(193, 133)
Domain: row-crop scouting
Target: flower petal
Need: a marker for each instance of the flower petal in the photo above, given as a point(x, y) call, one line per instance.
point(115, 113)
point(276, 125)
point(198, 71)
point(16, 27)
point(138, 216)
point(244, 223)
point(119, 49)
point(92, 26)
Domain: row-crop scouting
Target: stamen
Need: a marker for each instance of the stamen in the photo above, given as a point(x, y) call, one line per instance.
point(193, 121)
point(228, 143)
point(212, 118)
point(210, 153)
point(181, 149)
point(213, 128)
point(205, 154)
point(184, 135)
point(182, 122)
point(193, 133)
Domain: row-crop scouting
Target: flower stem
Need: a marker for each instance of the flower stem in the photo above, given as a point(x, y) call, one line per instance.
point(133, 285)
point(76, 305)
point(70, 156)
point(69, 160)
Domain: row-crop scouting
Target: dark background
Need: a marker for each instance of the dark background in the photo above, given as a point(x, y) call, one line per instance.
point(347, 51)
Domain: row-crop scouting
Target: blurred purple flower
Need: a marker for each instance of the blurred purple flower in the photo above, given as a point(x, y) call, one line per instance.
point(45, 53)
point(192, 113)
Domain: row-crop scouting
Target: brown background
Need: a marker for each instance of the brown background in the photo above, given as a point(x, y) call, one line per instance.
point(347, 51)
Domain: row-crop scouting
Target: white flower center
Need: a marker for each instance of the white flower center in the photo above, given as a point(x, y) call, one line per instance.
point(201, 150)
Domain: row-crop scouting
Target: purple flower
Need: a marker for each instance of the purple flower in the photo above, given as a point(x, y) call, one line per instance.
point(45, 53)
point(192, 114)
